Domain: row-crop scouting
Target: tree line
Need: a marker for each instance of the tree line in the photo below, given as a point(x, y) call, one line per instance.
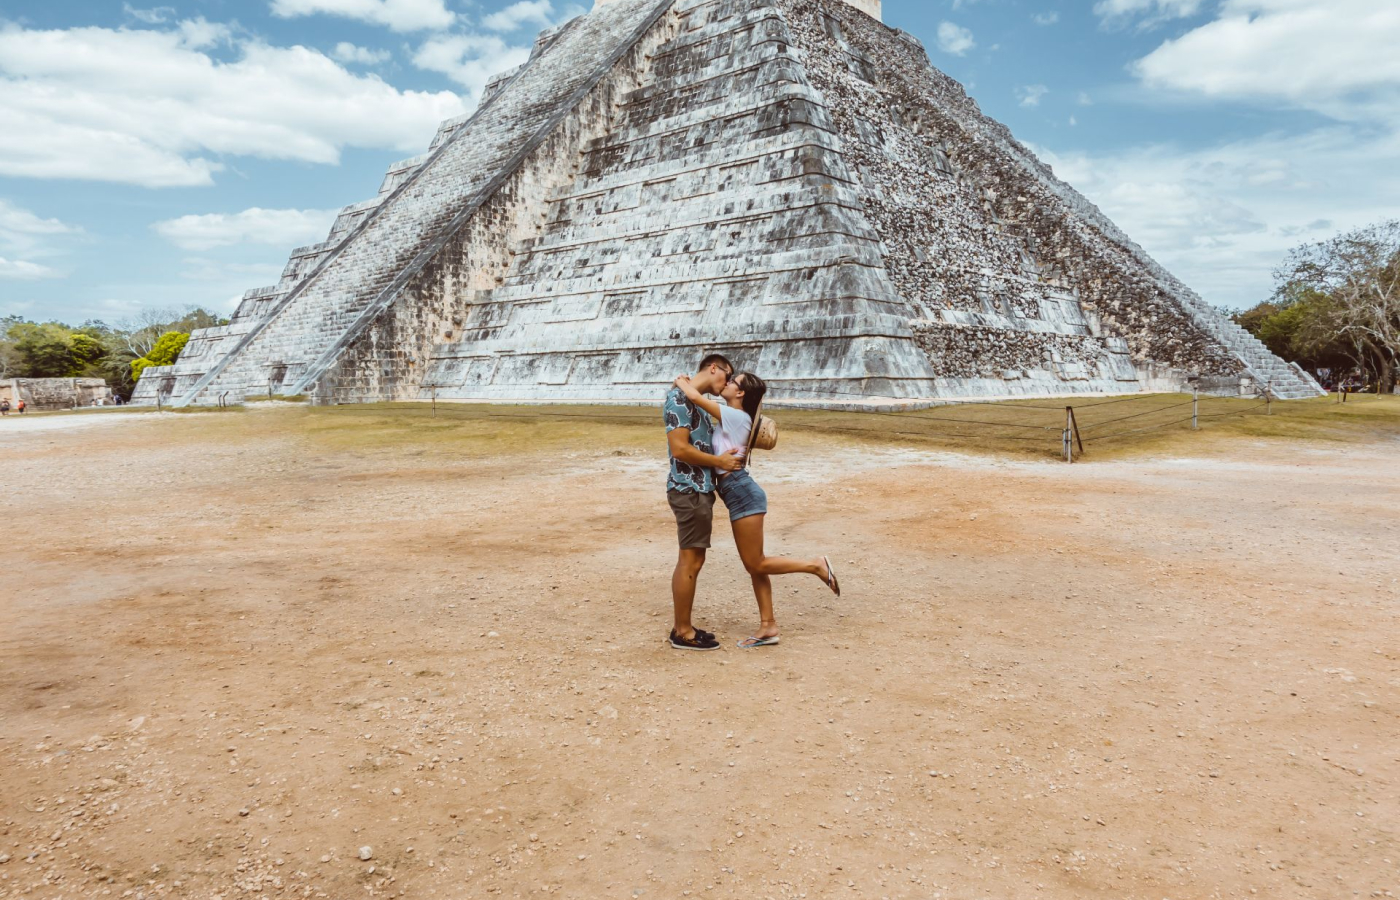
point(115, 353)
point(1337, 307)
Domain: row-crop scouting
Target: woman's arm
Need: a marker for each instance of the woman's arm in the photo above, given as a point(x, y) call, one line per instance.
point(699, 399)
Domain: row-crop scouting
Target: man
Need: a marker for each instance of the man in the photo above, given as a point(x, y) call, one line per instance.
point(691, 492)
point(22, 406)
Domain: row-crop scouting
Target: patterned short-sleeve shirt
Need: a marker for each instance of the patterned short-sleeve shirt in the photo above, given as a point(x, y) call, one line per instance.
point(681, 413)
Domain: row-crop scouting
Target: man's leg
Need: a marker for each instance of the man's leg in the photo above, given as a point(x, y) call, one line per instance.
point(683, 580)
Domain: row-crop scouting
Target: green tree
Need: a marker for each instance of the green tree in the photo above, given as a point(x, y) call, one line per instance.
point(1252, 319)
point(95, 349)
point(45, 350)
point(164, 352)
point(1349, 287)
point(86, 349)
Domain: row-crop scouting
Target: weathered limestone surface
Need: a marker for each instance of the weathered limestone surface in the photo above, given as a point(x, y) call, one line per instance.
point(1020, 282)
point(716, 213)
point(788, 181)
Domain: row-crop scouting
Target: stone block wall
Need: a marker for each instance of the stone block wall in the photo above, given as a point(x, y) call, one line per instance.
point(716, 214)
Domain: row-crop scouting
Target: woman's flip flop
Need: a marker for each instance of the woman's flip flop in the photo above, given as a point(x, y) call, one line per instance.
point(831, 581)
point(749, 643)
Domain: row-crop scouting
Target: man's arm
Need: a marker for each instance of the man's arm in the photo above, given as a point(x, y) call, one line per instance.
point(683, 450)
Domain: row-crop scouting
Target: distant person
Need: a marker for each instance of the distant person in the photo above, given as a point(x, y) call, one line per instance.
point(747, 502)
point(690, 490)
point(4, 407)
point(21, 406)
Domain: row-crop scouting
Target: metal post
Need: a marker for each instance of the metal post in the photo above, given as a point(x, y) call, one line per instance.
point(434, 401)
point(1196, 410)
point(269, 390)
point(1069, 435)
point(159, 406)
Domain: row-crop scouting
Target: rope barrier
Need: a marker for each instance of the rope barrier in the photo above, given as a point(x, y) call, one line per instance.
point(1237, 412)
point(1105, 437)
point(924, 434)
point(952, 401)
point(965, 421)
point(647, 418)
point(1150, 412)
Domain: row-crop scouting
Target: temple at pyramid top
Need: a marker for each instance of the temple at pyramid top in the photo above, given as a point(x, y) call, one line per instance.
point(789, 182)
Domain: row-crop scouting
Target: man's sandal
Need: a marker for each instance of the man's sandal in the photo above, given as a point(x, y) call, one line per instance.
point(831, 581)
point(701, 641)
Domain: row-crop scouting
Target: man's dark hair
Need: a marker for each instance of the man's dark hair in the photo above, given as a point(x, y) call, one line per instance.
point(754, 388)
point(715, 359)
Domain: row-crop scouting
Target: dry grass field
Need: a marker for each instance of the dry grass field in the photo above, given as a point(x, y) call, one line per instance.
point(237, 647)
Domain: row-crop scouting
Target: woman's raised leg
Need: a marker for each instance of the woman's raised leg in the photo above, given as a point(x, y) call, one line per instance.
point(748, 537)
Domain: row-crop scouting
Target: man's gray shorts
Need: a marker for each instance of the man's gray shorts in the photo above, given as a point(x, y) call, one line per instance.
point(695, 518)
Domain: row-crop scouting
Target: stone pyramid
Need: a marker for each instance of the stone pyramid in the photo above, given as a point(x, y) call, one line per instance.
point(789, 182)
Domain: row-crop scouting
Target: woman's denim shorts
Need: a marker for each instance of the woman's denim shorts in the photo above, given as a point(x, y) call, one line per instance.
point(742, 495)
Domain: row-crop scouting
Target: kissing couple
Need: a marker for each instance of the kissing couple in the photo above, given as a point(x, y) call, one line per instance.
point(710, 441)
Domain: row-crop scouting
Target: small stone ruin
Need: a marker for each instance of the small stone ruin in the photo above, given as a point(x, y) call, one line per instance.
point(56, 393)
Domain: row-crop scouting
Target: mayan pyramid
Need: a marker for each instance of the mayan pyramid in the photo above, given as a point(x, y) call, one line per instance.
point(789, 182)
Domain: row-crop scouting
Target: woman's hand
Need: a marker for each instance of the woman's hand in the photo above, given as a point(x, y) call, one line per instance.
point(683, 382)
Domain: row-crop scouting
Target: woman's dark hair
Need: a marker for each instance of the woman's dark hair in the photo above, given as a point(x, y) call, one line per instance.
point(754, 389)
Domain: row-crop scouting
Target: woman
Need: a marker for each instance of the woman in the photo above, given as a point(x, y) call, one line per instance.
point(746, 501)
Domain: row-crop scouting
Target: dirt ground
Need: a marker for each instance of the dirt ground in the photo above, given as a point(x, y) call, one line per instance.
point(237, 648)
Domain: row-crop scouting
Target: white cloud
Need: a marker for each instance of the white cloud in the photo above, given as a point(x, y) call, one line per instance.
point(1148, 12)
point(156, 16)
point(1084, 99)
point(150, 107)
point(199, 34)
point(1046, 18)
point(25, 237)
point(532, 12)
point(397, 15)
point(954, 39)
point(469, 59)
point(1222, 218)
point(1032, 94)
point(19, 270)
point(19, 227)
point(347, 52)
point(1337, 57)
point(275, 227)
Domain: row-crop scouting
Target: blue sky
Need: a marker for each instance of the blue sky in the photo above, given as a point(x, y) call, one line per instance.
point(161, 157)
